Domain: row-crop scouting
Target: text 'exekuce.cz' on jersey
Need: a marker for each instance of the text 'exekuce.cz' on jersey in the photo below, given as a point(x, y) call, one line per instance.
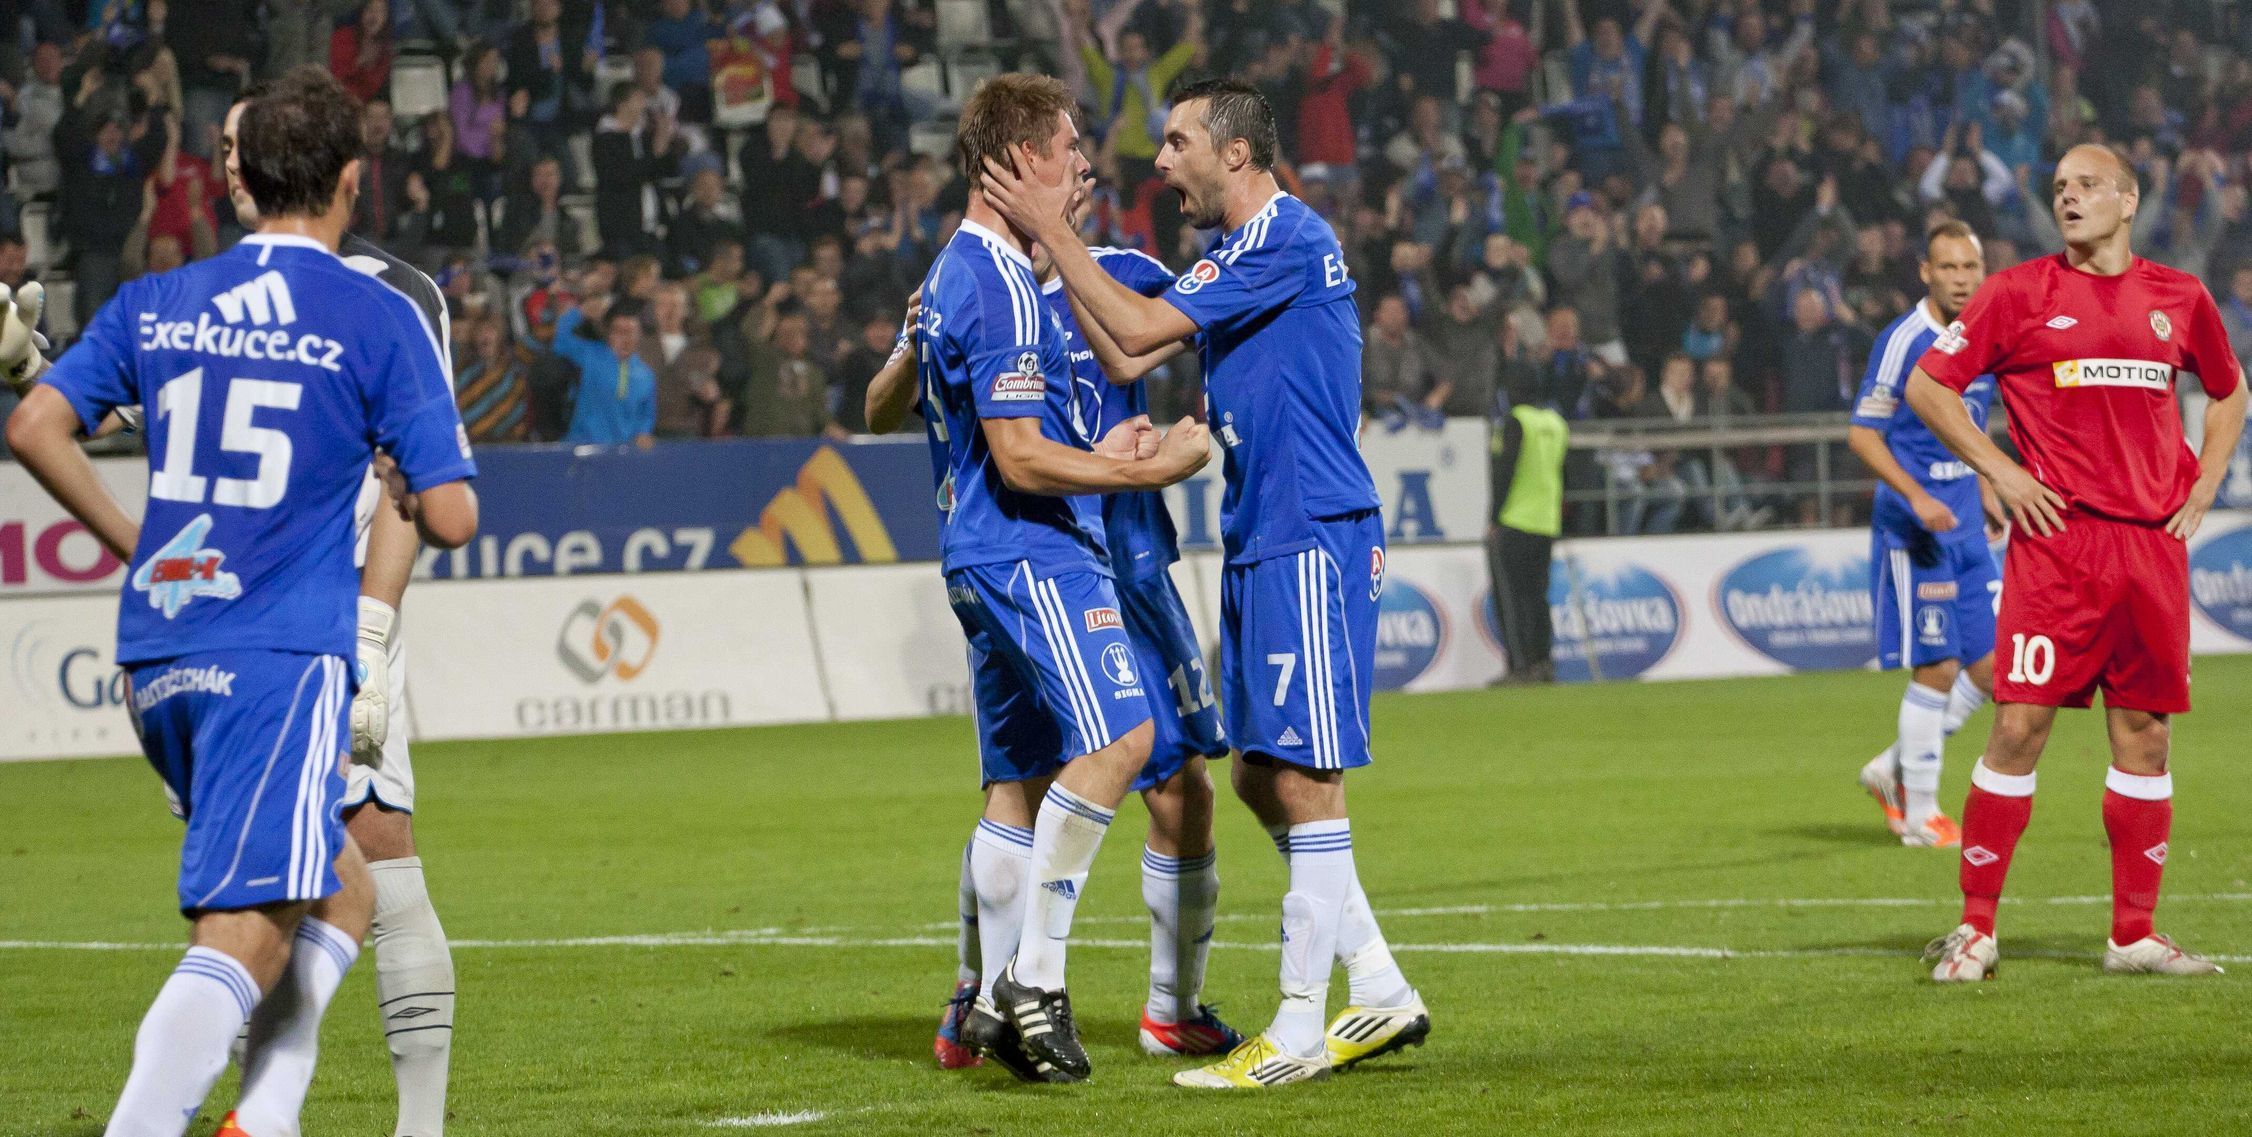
point(2087, 366)
point(268, 373)
point(1281, 345)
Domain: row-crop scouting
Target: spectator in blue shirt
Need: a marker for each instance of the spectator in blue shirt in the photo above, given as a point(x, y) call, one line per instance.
point(681, 31)
point(617, 400)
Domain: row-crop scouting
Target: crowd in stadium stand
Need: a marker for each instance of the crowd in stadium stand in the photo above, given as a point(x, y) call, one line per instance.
point(676, 218)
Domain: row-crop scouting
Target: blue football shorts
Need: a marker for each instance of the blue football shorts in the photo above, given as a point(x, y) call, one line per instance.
point(1298, 647)
point(251, 746)
point(1052, 671)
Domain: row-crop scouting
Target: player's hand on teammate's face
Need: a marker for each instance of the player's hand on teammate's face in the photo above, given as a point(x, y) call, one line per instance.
point(1126, 441)
point(1934, 515)
point(2030, 504)
point(2183, 525)
point(1032, 205)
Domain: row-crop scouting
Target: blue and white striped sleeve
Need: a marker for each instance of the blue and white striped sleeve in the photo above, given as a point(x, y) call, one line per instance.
point(1883, 392)
point(1004, 341)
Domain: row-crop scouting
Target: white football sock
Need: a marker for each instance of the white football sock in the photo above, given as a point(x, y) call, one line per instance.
point(1065, 838)
point(1962, 702)
point(1922, 713)
point(1374, 975)
point(285, 1034)
point(414, 991)
point(1182, 894)
point(182, 1045)
point(966, 952)
point(1000, 862)
point(1321, 877)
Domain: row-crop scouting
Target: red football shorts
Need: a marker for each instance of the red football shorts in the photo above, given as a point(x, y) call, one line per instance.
point(2101, 604)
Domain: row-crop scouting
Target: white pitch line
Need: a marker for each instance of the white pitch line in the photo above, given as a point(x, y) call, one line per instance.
point(767, 1120)
point(755, 938)
point(1678, 905)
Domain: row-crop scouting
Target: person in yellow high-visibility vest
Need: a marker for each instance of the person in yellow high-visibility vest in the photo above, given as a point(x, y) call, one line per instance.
point(1527, 473)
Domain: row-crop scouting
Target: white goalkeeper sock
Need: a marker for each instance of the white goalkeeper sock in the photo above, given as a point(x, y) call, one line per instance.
point(1922, 713)
point(1321, 877)
point(1000, 862)
point(1962, 703)
point(414, 990)
point(1181, 894)
point(181, 1048)
point(1065, 838)
point(966, 954)
point(285, 1034)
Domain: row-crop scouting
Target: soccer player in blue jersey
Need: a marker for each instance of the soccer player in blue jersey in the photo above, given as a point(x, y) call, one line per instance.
point(414, 971)
point(266, 377)
point(1271, 309)
point(1061, 697)
point(1932, 574)
point(1180, 868)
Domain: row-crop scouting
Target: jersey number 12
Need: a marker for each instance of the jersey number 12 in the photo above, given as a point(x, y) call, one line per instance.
point(181, 401)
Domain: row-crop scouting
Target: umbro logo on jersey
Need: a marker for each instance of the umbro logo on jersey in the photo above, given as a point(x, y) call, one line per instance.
point(2060, 323)
point(264, 299)
point(1290, 738)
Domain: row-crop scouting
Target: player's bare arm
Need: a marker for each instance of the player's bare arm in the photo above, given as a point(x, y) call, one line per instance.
point(1867, 444)
point(1030, 462)
point(892, 392)
point(2027, 502)
point(445, 514)
point(44, 433)
point(2224, 424)
point(1118, 365)
point(1139, 324)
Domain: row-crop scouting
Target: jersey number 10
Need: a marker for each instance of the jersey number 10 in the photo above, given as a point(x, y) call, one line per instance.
point(181, 401)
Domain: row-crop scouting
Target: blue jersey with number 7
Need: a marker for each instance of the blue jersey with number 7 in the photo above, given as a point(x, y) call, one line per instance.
point(266, 376)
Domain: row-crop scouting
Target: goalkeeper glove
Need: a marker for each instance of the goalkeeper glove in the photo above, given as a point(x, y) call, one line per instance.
point(22, 348)
point(371, 707)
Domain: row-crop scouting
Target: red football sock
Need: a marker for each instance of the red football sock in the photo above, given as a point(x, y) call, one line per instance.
point(2138, 814)
point(2000, 805)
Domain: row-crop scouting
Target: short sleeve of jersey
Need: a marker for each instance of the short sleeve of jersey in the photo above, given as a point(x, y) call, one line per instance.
point(1877, 405)
point(1240, 281)
point(1976, 343)
point(412, 404)
point(96, 374)
point(1135, 269)
point(1001, 346)
point(2208, 351)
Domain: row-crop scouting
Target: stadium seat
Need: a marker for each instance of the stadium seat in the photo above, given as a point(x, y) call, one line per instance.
point(418, 87)
point(926, 79)
point(38, 221)
point(62, 315)
point(932, 139)
point(609, 72)
point(963, 23)
point(582, 155)
point(965, 72)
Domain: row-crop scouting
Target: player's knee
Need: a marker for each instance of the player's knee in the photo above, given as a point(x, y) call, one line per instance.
point(382, 834)
point(2140, 742)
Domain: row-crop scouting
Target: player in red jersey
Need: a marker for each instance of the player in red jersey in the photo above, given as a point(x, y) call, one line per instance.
point(2095, 591)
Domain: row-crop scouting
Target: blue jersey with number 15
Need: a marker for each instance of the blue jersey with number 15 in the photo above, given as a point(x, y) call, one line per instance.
point(266, 376)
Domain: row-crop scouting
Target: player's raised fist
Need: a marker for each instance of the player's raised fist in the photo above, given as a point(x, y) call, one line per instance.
point(22, 348)
point(1186, 447)
point(1134, 439)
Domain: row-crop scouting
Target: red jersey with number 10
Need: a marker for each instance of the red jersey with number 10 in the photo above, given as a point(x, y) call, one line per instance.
point(2087, 365)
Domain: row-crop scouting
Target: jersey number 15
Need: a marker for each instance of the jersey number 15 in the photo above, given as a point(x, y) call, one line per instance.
point(181, 401)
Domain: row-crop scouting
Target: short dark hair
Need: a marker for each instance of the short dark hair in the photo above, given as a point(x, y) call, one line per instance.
point(1004, 111)
point(295, 142)
point(1952, 227)
point(1232, 110)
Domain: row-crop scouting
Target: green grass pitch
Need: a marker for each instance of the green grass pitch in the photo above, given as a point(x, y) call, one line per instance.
point(1508, 833)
